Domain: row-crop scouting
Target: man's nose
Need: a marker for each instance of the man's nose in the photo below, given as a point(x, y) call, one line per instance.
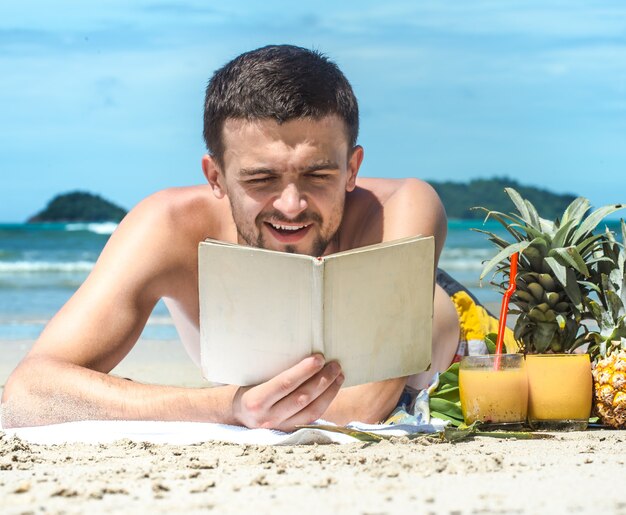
point(290, 202)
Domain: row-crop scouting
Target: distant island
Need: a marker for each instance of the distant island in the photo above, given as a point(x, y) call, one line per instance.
point(459, 197)
point(79, 206)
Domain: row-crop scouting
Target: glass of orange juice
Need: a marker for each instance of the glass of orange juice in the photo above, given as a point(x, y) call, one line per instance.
point(494, 389)
point(560, 388)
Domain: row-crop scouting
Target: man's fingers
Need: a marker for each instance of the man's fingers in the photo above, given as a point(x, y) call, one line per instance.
point(315, 409)
point(286, 382)
point(308, 393)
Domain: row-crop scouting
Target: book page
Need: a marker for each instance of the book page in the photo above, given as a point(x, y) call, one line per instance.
point(378, 309)
point(255, 312)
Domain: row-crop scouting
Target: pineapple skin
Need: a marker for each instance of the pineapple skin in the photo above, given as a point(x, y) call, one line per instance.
point(609, 377)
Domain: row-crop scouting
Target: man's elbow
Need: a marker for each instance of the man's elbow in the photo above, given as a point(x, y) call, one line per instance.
point(14, 399)
point(21, 403)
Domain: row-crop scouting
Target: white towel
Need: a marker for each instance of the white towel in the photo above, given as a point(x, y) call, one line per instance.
point(185, 433)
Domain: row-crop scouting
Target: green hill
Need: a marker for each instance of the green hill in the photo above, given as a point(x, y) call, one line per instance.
point(79, 206)
point(459, 197)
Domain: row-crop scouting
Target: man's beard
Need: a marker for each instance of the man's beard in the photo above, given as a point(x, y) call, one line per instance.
point(319, 244)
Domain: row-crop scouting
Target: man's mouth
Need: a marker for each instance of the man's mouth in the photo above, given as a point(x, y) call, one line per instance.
point(288, 233)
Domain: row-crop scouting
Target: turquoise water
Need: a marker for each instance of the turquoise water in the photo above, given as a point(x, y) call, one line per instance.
point(41, 265)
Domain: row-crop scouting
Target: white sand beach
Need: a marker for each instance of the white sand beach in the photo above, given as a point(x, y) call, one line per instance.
point(570, 473)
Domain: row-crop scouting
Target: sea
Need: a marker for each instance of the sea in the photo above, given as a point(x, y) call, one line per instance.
point(42, 265)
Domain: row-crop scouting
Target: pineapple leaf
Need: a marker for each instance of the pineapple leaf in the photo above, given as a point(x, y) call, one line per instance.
point(502, 218)
point(589, 244)
point(614, 304)
point(532, 213)
point(532, 232)
point(575, 212)
point(494, 238)
point(600, 315)
point(569, 257)
point(522, 208)
point(544, 335)
point(567, 278)
point(502, 255)
point(547, 226)
point(591, 286)
point(533, 255)
point(580, 340)
point(592, 221)
point(558, 269)
point(512, 218)
point(572, 289)
point(561, 237)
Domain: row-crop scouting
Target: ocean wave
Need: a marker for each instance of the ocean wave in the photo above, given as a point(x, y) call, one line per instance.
point(470, 259)
point(160, 320)
point(98, 228)
point(45, 266)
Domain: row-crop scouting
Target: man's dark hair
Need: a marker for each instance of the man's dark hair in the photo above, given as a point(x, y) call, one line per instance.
point(281, 82)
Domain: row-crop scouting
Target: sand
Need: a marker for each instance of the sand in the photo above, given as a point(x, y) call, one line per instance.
point(577, 472)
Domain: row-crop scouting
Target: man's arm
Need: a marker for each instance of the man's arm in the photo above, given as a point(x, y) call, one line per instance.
point(414, 208)
point(65, 375)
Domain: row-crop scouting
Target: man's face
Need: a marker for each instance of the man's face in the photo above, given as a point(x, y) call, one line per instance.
point(287, 182)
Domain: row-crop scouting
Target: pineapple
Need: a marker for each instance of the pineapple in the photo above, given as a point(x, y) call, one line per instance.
point(609, 379)
point(553, 271)
point(608, 347)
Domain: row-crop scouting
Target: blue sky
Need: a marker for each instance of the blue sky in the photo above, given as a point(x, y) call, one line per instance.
point(107, 96)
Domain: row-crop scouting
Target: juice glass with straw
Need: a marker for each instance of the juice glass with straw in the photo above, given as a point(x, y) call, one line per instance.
point(494, 388)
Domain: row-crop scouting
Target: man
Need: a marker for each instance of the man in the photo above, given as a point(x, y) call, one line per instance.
point(281, 126)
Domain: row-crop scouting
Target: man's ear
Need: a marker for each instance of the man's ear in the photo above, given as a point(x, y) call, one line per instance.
point(214, 176)
point(354, 163)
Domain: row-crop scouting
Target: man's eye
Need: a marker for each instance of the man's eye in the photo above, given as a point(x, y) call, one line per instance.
point(319, 176)
point(260, 180)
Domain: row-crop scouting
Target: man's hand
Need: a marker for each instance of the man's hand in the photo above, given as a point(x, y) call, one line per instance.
point(297, 396)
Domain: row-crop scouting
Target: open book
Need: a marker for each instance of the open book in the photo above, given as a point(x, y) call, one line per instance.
point(262, 311)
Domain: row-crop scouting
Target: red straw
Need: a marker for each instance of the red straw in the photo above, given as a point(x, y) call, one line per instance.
point(505, 308)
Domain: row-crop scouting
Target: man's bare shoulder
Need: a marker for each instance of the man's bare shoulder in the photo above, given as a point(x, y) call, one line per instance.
point(385, 190)
point(154, 249)
point(389, 209)
point(190, 212)
point(165, 229)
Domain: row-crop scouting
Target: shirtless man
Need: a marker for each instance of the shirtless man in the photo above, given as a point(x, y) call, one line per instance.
point(280, 126)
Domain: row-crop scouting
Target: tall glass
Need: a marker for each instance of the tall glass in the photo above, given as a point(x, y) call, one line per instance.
point(560, 391)
point(494, 394)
